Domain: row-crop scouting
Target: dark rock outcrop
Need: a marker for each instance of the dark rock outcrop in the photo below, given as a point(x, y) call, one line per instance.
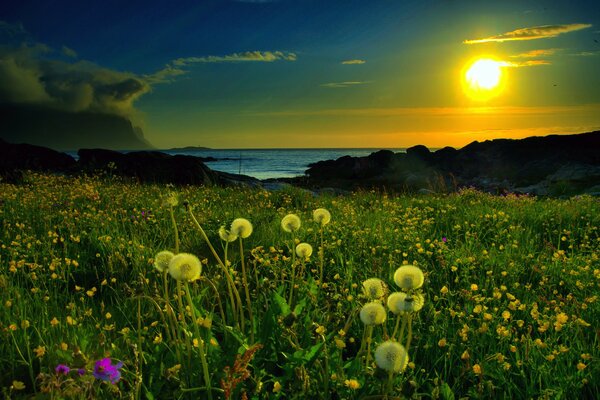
point(157, 167)
point(15, 158)
point(538, 165)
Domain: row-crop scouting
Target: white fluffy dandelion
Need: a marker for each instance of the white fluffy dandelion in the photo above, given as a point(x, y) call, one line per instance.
point(321, 216)
point(409, 277)
point(304, 250)
point(290, 223)
point(162, 260)
point(241, 227)
point(227, 236)
point(400, 302)
point(372, 314)
point(374, 288)
point(185, 267)
point(391, 356)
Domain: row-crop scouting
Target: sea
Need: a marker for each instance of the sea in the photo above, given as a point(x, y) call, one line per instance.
point(268, 163)
point(271, 163)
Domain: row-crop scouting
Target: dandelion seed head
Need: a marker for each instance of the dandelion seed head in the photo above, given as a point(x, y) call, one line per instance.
point(409, 277)
point(241, 227)
point(185, 267)
point(400, 302)
point(374, 288)
point(162, 260)
point(391, 356)
point(321, 216)
point(226, 235)
point(372, 313)
point(290, 223)
point(304, 250)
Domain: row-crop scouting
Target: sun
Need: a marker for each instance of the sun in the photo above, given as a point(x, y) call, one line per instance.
point(483, 78)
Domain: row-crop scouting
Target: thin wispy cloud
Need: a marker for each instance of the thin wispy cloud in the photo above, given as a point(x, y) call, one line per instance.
point(343, 84)
point(536, 53)
point(247, 56)
point(531, 33)
point(528, 63)
point(353, 62)
point(586, 53)
point(176, 67)
point(68, 52)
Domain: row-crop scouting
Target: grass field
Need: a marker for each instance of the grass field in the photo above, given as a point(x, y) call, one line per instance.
point(510, 293)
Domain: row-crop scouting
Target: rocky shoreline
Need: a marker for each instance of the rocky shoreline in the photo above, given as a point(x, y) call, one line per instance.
point(556, 165)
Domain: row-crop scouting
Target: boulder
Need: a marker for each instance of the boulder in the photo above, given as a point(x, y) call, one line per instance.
point(15, 158)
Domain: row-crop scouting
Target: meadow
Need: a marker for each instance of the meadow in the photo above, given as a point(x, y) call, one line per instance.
point(508, 306)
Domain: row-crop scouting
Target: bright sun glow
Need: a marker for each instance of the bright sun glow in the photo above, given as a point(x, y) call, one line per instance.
point(483, 79)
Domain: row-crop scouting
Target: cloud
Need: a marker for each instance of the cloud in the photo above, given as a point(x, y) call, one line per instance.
point(528, 63)
point(68, 52)
point(353, 62)
point(247, 56)
point(586, 53)
point(531, 33)
point(343, 84)
point(29, 75)
point(536, 53)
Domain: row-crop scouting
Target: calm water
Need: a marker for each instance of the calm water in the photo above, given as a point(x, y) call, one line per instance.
point(272, 163)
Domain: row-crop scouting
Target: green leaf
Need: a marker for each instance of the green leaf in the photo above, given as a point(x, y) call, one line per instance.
point(445, 392)
point(284, 308)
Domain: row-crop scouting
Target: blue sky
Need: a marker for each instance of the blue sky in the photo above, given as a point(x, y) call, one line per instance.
point(318, 73)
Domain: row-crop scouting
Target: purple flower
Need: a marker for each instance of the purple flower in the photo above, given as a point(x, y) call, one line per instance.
point(106, 371)
point(62, 369)
point(81, 371)
point(444, 239)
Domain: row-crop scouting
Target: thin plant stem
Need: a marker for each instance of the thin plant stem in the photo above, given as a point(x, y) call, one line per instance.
point(409, 337)
point(221, 264)
point(229, 285)
point(138, 383)
point(182, 312)
point(200, 343)
point(321, 256)
point(401, 335)
point(293, 271)
point(398, 318)
point(220, 304)
point(175, 230)
point(369, 339)
point(245, 284)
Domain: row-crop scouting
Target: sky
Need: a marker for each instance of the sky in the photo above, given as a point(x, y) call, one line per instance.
point(309, 74)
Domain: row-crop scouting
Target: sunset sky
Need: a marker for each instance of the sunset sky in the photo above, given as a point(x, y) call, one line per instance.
point(293, 73)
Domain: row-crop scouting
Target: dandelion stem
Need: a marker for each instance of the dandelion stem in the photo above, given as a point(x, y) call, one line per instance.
point(200, 343)
point(321, 256)
point(175, 231)
point(220, 262)
point(293, 271)
point(409, 337)
point(401, 335)
point(138, 383)
point(182, 312)
point(245, 284)
point(398, 318)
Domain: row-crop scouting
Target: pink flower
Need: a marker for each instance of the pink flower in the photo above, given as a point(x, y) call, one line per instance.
point(106, 371)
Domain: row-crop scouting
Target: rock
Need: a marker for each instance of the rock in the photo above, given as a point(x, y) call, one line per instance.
point(15, 158)
point(541, 165)
point(157, 167)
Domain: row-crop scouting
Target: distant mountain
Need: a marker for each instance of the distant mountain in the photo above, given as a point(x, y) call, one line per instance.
point(65, 130)
point(189, 148)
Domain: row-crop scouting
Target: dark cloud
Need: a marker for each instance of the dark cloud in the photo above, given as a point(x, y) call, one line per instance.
point(30, 75)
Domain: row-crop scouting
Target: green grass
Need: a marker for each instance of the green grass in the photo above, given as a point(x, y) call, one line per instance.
point(511, 298)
